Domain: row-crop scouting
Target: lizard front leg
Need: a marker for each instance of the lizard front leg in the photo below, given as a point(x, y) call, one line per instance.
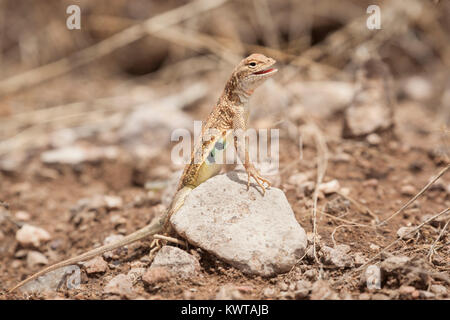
point(241, 143)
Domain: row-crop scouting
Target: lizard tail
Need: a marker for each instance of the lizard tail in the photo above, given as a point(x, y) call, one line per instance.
point(149, 230)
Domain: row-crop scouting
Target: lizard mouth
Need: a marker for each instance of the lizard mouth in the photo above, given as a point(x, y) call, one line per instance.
point(266, 71)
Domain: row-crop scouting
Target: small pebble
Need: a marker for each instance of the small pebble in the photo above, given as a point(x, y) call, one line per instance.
point(30, 235)
point(22, 216)
point(155, 275)
point(405, 233)
point(408, 190)
point(330, 187)
point(120, 285)
point(96, 265)
point(438, 289)
point(35, 258)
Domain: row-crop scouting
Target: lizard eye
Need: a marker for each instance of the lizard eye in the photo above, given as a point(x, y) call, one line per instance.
point(252, 64)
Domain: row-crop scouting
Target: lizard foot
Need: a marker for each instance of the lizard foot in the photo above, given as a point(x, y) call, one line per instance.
point(253, 173)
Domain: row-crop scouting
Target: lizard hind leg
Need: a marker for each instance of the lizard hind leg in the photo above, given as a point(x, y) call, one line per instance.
point(176, 204)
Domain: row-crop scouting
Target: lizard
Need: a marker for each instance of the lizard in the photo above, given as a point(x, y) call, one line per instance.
point(229, 117)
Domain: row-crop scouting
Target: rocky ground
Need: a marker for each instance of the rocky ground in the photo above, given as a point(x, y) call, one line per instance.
point(86, 154)
point(61, 200)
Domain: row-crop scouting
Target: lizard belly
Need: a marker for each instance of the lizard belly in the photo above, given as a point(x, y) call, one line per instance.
point(214, 162)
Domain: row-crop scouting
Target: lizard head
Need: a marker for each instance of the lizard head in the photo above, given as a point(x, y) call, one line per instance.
point(254, 70)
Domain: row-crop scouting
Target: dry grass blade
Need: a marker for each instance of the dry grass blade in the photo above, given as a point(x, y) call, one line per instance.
point(429, 184)
point(413, 231)
point(118, 40)
point(432, 248)
point(322, 162)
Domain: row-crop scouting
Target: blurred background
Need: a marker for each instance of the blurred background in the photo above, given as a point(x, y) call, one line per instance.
point(86, 115)
point(99, 83)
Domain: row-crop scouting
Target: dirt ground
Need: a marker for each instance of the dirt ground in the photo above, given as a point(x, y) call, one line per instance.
point(375, 178)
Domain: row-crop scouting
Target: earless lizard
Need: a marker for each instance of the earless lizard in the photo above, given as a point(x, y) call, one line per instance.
point(229, 118)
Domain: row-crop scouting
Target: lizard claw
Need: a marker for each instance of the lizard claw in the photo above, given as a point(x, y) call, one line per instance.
point(253, 173)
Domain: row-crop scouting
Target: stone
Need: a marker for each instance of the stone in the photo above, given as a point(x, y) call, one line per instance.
point(302, 289)
point(120, 285)
point(35, 258)
point(298, 178)
point(406, 233)
point(408, 190)
point(155, 275)
point(438, 289)
point(76, 154)
point(22, 216)
point(113, 202)
point(96, 265)
point(323, 98)
point(393, 263)
point(373, 139)
point(178, 262)
point(337, 256)
point(330, 187)
point(417, 88)
point(268, 292)
point(33, 236)
point(426, 294)
point(65, 277)
point(135, 274)
point(321, 291)
point(228, 292)
point(152, 123)
point(371, 109)
point(256, 234)
point(111, 239)
point(360, 259)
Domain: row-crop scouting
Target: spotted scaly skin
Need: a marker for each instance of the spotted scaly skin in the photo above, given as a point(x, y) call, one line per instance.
point(229, 118)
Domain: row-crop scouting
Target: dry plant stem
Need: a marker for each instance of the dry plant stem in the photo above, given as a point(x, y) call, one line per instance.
point(170, 239)
point(322, 161)
point(399, 239)
point(432, 248)
point(429, 184)
point(118, 40)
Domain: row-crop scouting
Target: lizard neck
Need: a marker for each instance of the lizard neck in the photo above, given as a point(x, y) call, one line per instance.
point(236, 92)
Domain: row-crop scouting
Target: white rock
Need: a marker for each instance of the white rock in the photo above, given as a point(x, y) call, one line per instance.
point(323, 98)
point(228, 292)
point(111, 239)
point(256, 234)
point(298, 178)
point(321, 291)
point(73, 155)
point(338, 256)
point(135, 274)
point(29, 235)
point(96, 265)
point(418, 88)
point(330, 187)
point(120, 285)
point(69, 277)
point(178, 262)
point(408, 190)
point(438, 289)
point(153, 122)
point(373, 139)
point(22, 215)
point(405, 233)
point(35, 258)
point(393, 263)
point(113, 202)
